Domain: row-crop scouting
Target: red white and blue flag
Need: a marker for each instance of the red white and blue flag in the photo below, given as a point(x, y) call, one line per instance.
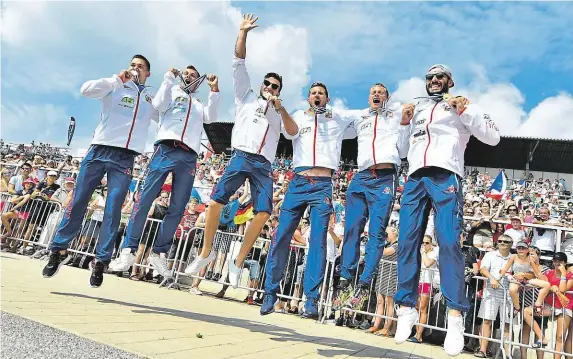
point(498, 186)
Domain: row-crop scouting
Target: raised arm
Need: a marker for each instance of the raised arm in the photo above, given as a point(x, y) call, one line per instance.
point(99, 89)
point(211, 111)
point(162, 98)
point(476, 120)
point(241, 80)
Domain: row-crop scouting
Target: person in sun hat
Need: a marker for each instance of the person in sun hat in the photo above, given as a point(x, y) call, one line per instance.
point(440, 129)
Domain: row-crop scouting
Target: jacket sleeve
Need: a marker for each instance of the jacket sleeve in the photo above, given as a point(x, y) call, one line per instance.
point(162, 99)
point(403, 136)
point(211, 111)
point(99, 89)
point(241, 80)
point(480, 125)
point(295, 117)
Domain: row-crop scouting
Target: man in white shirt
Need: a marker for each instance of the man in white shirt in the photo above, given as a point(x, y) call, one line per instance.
point(120, 136)
point(382, 142)
point(495, 298)
point(259, 120)
point(178, 142)
point(316, 145)
point(440, 130)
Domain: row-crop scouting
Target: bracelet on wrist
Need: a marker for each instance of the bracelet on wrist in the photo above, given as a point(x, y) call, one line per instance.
point(563, 278)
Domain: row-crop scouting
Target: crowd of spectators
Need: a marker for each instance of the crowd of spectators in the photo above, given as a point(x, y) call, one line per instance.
point(530, 227)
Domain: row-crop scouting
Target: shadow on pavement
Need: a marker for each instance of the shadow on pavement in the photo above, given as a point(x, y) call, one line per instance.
point(340, 346)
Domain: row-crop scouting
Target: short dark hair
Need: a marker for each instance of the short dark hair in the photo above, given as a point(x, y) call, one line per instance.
point(318, 84)
point(26, 164)
point(382, 85)
point(191, 67)
point(141, 57)
point(277, 77)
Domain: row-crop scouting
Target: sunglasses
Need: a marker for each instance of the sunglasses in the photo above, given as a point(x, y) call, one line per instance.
point(26, 169)
point(438, 76)
point(512, 209)
point(522, 248)
point(505, 242)
point(267, 83)
point(427, 242)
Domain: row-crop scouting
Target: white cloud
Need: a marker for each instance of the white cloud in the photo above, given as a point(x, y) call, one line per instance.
point(33, 122)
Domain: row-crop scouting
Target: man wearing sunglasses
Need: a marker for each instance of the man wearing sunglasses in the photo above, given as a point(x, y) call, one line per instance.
point(259, 120)
point(382, 142)
point(439, 132)
point(316, 145)
point(126, 114)
point(178, 142)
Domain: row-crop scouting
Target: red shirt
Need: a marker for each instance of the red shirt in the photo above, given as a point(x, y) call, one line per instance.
point(554, 280)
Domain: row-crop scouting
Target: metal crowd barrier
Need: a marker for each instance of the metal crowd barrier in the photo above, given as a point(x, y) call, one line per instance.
point(33, 224)
point(227, 245)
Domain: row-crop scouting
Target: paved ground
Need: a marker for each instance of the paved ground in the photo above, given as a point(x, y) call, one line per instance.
point(157, 323)
point(23, 338)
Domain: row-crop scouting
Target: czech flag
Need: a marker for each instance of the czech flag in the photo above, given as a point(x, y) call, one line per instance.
point(498, 187)
point(203, 196)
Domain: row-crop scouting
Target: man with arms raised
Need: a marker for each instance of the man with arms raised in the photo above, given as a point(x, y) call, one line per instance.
point(440, 130)
point(120, 136)
point(316, 145)
point(382, 142)
point(176, 148)
point(259, 120)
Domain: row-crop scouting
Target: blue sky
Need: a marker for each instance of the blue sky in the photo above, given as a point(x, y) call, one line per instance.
point(515, 59)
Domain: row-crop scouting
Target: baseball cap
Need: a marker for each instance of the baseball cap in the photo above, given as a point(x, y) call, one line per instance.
point(515, 218)
point(439, 69)
point(52, 173)
point(560, 256)
point(70, 180)
point(29, 180)
point(522, 244)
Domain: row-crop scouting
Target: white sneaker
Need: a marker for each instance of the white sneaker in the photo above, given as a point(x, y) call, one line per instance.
point(199, 263)
point(454, 342)
point(195, 291)
point(407, 317)
point(159, 263)
point(234, 274)
point(125, 260)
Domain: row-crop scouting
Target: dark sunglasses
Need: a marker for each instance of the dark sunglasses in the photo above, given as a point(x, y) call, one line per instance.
point(512, 209)
point(438, 76)
point(521, 247)
point(427, 242)
point(272, 85)
point(26, 169)
point(506, 242)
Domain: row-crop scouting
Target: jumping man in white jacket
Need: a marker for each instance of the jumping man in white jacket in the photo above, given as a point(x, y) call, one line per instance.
point(176, 147)
point(382, 142)
point(440, 129)
point(126, 112)
point(259, 120)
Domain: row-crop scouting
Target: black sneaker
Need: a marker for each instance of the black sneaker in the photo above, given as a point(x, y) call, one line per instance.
point(55, 261)
point(98, 268)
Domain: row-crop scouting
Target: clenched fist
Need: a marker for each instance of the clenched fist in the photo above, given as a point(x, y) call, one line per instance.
point(407, 114)
point(213, 82)
point(458, 103)
point(125, 75)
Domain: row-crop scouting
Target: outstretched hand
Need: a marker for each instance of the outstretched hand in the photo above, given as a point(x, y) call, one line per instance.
point(248, 22)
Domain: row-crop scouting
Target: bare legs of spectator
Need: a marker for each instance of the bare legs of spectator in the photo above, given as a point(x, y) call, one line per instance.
point(211, 225)
point(563, 322)
point(569, 340)
point(389, 325)
point(423, 301)
point(486, 333)
point(251, 235)
point(525, 336)
point(528, 317)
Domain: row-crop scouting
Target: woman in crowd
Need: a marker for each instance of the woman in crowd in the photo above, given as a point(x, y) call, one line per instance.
point(386, 284)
